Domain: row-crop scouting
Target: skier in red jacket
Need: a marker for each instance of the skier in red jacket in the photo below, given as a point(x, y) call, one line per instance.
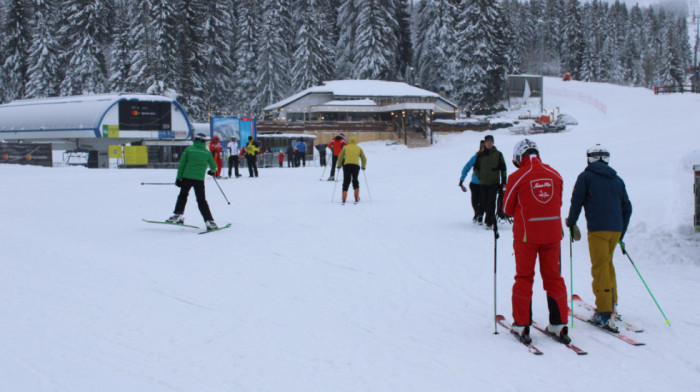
point(215, 148)
point(533, 198)
point(336, 146)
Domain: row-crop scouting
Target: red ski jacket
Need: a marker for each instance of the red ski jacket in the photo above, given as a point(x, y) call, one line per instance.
point(336, 145)
point(533, 198)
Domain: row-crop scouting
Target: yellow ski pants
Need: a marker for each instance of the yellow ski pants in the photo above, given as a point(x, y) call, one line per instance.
point(601, 245)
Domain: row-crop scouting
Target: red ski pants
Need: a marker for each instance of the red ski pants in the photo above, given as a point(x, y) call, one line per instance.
point(550, 269)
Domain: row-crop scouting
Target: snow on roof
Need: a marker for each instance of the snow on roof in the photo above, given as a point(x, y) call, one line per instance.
point(359, 88)
point(63, 113)
point(357, 102)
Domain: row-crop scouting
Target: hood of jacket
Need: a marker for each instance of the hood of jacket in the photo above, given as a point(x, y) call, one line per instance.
point(352, 140)
point(601, 169)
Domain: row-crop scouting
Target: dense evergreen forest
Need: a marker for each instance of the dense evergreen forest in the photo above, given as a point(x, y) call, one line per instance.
point(238, 56)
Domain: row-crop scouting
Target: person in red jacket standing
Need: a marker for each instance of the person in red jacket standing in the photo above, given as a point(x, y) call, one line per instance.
point(215, 148)
point(336, 146)
point(533, 197)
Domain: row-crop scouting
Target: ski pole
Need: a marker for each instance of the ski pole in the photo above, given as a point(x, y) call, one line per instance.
point(157, 183)
point(624, 252)
point(571, 272)
point(323, 174)
point(495, 252)
point(367, 183)
point(222, 191)
point(335, 186)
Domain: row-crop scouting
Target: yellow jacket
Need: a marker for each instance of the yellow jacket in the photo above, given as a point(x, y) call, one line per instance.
point(251, 149)
point(352, 153)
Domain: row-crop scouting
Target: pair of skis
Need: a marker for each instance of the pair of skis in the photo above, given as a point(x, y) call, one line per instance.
point(585, 313)
point(530, 347)
point(184, 225)
point(589, 310)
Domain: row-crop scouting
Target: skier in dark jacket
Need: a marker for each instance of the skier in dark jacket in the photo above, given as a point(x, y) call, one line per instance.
point(603, 196)
point(490, 169)
point(190, 174)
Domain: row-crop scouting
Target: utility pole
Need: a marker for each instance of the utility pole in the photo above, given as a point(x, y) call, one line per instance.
point(696, 71)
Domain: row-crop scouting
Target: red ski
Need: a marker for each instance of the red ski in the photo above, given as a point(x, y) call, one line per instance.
point(502, 321)
point(579, 301)
point(575, 349)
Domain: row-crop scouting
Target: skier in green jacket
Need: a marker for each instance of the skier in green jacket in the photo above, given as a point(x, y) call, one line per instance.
point(190, 174)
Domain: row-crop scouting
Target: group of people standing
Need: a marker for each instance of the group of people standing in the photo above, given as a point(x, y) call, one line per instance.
point(533, 197)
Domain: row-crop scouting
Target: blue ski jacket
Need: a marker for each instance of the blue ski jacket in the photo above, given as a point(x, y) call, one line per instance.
point(602, 194)
point(467, 167)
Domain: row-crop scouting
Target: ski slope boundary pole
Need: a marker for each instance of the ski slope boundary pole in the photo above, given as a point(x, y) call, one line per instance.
point(626, 253)
point(222, 191)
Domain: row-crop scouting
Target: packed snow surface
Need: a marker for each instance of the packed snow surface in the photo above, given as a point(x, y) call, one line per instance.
point(395, 293)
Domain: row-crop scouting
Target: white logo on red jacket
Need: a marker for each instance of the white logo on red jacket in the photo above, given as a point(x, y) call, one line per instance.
point(542, 189)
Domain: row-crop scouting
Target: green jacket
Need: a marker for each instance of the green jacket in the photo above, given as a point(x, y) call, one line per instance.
point(352, 154)
point(194, 161)
point(489, 164)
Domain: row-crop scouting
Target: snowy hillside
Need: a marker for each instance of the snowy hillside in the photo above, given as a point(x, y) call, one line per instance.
point(301, 294)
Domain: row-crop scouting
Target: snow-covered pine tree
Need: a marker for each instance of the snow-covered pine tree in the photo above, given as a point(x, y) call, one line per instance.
point(272, 80)
point(437, 35)
point(313, 61)
point(246, 55)
point(141, 73)
point(122, 49)
point(553, 20)
point(87, 31)
point(404, 55)
point(163, 60)
point(375, 41)
point(573, 44)
point(345, 46)
point(43, 58)
point(481, 61)
point(192, 55)
point(219, 41)
point(16, 42)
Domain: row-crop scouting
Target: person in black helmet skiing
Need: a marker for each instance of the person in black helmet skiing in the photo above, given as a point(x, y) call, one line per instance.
point(190, 174)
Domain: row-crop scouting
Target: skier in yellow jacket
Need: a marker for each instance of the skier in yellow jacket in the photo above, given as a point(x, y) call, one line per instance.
point(349, 159)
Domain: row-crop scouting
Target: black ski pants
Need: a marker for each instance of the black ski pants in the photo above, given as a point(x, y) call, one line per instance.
point(233, 162)
point(334, 161)
point(252, 165)
point(474, 189)
point(351, 172)
point(487, 202)
point(198, 186)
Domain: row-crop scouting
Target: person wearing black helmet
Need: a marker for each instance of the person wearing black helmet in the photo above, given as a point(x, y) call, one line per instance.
point(603, 196)
point(190, 174)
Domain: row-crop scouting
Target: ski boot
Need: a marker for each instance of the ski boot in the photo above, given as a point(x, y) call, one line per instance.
point(522, 332)
point(605, 321)
point(211, 225)
point(357, 195)
point(560, 331)
point(177, 219)
point(331, 178)
point(345, 196)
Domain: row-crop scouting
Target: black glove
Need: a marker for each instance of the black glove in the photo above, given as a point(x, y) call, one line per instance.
point(461, 185)
point(622, 247)
point(211, 173)
point(575, 233)
point(178, 183)
point(363, 168)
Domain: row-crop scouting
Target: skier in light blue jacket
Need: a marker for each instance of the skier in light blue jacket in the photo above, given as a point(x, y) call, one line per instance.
point(473, 185)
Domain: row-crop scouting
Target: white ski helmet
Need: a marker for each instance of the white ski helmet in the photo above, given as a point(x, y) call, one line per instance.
point(201, 137)
point(523, 148)
point(598, 153)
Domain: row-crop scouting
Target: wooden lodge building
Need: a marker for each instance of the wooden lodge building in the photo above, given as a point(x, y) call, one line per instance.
point(366, 109)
